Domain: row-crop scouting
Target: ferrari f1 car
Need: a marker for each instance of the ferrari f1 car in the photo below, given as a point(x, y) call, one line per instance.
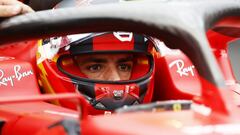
point(179, 24)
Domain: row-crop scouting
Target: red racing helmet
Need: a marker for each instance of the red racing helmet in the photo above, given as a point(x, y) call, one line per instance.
point(60, 68)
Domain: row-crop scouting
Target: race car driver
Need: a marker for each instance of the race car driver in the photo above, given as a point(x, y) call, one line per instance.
point(111, 69)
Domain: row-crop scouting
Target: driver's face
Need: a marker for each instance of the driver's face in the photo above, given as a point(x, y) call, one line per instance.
point(109, 67)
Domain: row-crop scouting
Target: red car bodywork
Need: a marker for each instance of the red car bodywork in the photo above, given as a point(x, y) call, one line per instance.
point(18, 80)
point(41, 115)
point(213, 112)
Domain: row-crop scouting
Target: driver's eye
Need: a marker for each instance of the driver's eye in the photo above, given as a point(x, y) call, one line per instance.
point(94, 68)
point(124, 67)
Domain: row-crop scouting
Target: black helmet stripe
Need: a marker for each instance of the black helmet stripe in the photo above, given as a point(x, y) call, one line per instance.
point(86, 46)
point(139, 43)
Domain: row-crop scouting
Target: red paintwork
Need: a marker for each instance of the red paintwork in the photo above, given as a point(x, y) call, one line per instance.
point(170, 123)
point(231, 21)
point(17, 65)
point(23, 111)
point(99, 43)
point(32, 115)
point(55, 81)
point(224, 118)
point(102, 89)
point(15, 75)
point(17, 116)
point(219, 44)
point(169, 82)
point(25, 51)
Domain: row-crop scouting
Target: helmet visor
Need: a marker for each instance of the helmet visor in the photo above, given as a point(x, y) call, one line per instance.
point(105, 66)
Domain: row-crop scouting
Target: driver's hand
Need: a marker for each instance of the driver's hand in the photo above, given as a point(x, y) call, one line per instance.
point(10, 8)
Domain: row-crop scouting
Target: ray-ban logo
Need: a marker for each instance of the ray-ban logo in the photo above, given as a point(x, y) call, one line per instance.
point(181, 69)
point(18, 75)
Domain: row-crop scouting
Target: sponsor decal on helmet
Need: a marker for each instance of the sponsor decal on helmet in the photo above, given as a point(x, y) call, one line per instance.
point(118, 94)
point(123, 36)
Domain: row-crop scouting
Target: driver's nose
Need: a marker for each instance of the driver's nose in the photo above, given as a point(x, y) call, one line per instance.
point(112, 74)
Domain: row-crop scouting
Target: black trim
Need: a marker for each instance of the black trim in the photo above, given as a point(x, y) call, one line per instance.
point(112, 104)
point(143, 86)
point(42, 4)
point(139, 43)
point(78, 47)
point(86, 88)
point(1, 125)
point(26, 2)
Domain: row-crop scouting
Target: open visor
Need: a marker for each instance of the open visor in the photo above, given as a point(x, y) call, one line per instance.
point(106, 67)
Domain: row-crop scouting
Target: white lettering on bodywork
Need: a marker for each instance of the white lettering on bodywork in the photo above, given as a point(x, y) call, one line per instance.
point(181, 69)
point(18, 76)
